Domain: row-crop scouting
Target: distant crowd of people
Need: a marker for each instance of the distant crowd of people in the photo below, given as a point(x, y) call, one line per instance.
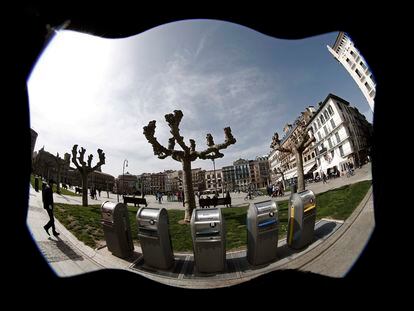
point(276, 190)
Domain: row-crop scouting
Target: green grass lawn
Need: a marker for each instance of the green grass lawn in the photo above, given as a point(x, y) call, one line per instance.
point(62, 191)
point(84, 222)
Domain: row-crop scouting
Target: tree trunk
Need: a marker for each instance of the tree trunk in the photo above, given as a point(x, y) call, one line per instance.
point(189, 199)
point(299, 167)
point(84, 189)
point(283, 180)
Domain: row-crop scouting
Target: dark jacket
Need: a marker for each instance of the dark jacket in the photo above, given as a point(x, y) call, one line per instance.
point(47, 197)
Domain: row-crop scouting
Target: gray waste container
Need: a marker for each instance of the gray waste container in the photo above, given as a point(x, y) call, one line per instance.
point(209, 240)
point(301, 219)
point(262, 232)
point(154, 236)
point(116, 228)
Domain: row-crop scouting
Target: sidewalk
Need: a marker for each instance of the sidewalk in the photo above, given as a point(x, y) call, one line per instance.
point(336, 247)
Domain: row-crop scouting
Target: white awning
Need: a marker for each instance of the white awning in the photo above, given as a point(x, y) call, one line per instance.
point(291, 174)
point(308, 168)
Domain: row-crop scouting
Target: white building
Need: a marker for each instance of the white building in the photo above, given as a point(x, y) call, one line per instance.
point(348, 55)
point(342, 135)
point(214, 183)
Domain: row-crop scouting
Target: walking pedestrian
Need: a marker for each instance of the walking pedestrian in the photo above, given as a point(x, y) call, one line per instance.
point(228, 198)
point(324, 178)
point(47, 197)
point(36, 184)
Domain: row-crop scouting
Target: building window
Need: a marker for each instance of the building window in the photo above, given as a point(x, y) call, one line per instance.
point(329, 143)
point(341, 151)
point(322, 119)
point(337, 137)
point(372, 79)
point(319, 135)
point(353, 54)
point(358, 73)
point(330, 110)
point(319, 122)
point(363, 65)
point(326, 131)
point(326, 114)
point(332, 123)
point(367, 86)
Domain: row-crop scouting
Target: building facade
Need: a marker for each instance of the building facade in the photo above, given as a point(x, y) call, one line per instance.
point(198, 176)
point(144, 183)
point(49, 166)
point(229, 180)
point(45, 165)
point(261, 172)
point(100, 180)
point(214, 180)
point(241, 174)
point(158, 182)
point(283, 163)
point(33, 138)
point(343, 135)
point(126, 184)
point(345, 52)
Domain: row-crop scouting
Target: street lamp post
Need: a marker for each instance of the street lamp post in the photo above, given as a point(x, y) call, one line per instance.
point(215, 180)
point(123, 169)
point(122, 179)
point(107, 191)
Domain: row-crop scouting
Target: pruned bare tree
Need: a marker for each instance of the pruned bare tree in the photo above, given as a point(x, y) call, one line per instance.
point(298, 141)
point(187, 155)
point(86, 168)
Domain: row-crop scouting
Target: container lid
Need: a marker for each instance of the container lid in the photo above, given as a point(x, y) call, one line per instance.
point(108, 207)
point(265, 206)
point(211, 214)
point(149, 213)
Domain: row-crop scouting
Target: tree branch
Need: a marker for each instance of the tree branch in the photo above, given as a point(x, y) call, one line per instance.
point(173, 121)
point(310, 140)
point(90, 160)
point(304, 141)
point(81, 156)
point(215, 155)
point(171, 143)
point(282, 149)
point(74, 152)
point(101, 159)
point(159, 150)
point(206, 154)
point(192, 145)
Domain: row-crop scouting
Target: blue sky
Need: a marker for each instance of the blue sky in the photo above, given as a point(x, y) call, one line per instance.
point(99, 93)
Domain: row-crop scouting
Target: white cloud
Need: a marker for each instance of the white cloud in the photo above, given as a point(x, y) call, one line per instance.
point(78, 98)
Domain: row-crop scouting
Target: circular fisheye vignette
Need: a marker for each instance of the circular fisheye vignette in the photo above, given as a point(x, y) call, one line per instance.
point(302, 231)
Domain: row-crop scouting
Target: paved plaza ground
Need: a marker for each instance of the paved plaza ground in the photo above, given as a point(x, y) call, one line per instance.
point(336, 246)
point(238, 199)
